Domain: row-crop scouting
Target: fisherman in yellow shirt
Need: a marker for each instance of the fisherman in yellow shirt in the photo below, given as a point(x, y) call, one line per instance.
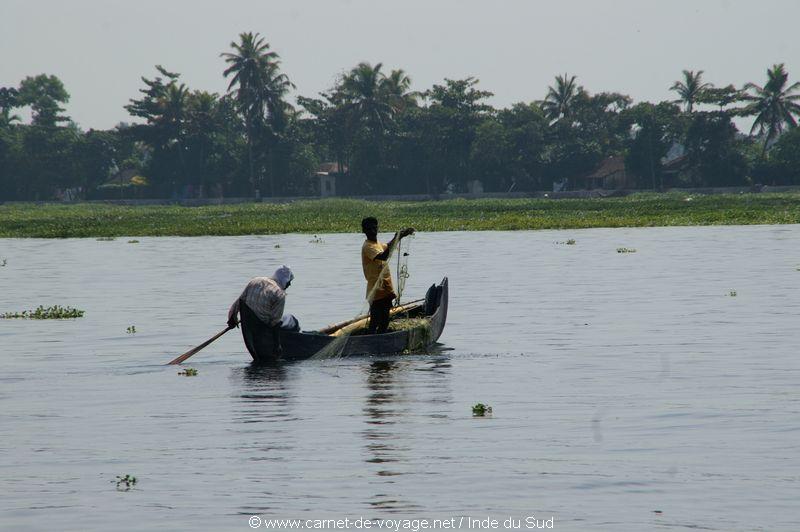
point(380, 290)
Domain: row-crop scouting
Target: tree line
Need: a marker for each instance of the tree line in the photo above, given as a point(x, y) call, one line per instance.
point(387, 138)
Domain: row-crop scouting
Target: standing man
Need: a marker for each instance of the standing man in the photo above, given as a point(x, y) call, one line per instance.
point(380, 290)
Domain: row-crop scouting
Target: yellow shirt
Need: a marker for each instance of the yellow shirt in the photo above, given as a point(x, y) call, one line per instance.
point(373, 269)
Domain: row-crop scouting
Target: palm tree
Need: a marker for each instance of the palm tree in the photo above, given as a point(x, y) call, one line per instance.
point(774, 105)
point(561, 99)
point(260, 86)
point(395, 88)
point(691, 88)
point(363, 89)
point(172, 119)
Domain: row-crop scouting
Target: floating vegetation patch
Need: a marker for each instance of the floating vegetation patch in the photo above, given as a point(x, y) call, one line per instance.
point(732, 293)
point(188, 372)
point(125, 483)
point(106, 239)
point(277, 246)
point(41, 313)
point(626, 250)
point(3, 263)
point(570, 242)
point(133, 241)
point(317, 240)
point(336, 215)
point(131, 329)
point(481, 410)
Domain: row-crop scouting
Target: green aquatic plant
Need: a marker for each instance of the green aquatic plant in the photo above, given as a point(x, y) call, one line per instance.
point(105, 239)
point(3, 263)
point(336, 215)
point(276, 246)
point(41, 313)
point(125, 483)
point(133, 241)
point(626, 250)
point(317, 240)
point(481, 410)
point(571, 242)
point(732, 293)
point(131, 329)
point(188, 372)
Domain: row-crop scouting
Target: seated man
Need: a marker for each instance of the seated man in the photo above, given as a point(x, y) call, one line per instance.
point(266, 297)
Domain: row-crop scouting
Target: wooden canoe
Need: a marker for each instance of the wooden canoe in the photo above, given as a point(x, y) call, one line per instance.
point(259, 339)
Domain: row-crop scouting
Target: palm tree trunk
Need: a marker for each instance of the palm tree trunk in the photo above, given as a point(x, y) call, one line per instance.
point(271, 173)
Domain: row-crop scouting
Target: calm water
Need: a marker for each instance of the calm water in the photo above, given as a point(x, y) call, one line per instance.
point(622, 385)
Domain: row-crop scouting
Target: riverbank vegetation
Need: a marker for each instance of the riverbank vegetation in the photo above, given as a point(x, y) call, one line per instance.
point(378, 134)
point(342, 215)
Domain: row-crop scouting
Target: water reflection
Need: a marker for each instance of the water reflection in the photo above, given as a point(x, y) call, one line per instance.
point(264, 396)
point(383, 405)
point(390, 405)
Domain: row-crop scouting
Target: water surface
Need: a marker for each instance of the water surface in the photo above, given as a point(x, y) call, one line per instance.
point(622, 384)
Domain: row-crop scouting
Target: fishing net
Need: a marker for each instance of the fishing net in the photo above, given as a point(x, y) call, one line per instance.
point(336, 348)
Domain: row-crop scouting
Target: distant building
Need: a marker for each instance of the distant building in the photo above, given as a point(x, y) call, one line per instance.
point(676, 151)
point(610, 174)
point(326, 175)
point(125, 178)
point(474, 187)
point(124, 183)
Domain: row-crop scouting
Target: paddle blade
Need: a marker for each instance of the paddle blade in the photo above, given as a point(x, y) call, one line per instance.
point(197, 349)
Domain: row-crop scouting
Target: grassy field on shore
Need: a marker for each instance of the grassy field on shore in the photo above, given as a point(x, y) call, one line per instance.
point(344, 215)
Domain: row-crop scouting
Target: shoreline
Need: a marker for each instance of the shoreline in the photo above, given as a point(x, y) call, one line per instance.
point(28, 220)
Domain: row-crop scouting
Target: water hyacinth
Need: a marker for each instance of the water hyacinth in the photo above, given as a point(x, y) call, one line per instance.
point(339, 215)
point(50, 313)
point(481, 410)
point(125, 483)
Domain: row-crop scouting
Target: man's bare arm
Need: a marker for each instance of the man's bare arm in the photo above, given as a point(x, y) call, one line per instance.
point(397, 236)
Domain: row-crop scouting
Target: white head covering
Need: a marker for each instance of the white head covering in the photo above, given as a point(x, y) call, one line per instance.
point(283, 276)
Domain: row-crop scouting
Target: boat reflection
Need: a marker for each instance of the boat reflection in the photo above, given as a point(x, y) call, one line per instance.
point(264, 396)
point(391, 403)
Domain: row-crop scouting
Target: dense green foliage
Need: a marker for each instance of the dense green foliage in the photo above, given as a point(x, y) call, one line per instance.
point(342, 215)
point(382, 137)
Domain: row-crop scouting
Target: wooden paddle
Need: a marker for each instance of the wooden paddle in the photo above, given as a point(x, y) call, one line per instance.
point(200, 347)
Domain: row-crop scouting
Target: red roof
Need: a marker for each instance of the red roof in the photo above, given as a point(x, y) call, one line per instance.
point(331, 168)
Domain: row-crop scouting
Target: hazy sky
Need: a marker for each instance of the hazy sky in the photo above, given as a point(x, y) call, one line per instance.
point(100, 49)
